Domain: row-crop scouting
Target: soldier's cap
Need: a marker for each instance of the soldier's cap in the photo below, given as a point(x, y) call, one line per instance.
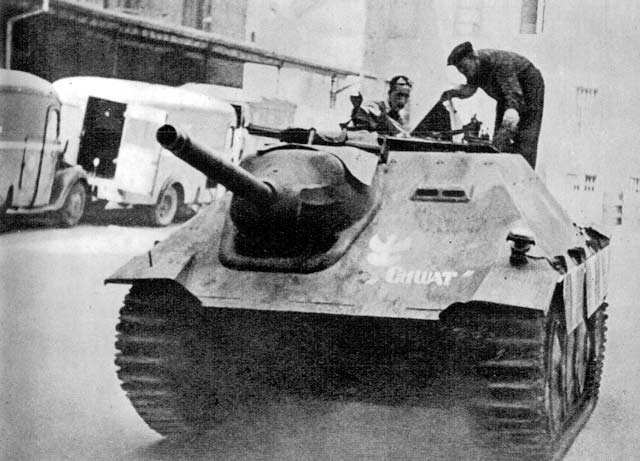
point(459, 52)
point(400, 82)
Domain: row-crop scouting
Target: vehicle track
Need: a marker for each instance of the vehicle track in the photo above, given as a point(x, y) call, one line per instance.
point(512, 407)
point(160, 334)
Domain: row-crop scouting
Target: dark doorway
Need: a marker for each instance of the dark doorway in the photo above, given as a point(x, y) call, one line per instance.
point(102, 132)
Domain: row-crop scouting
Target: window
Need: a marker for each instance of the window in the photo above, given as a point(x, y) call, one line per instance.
point(574, 182)
point(193, 14)
point(635, 184)
point(531, 16)
point(587, 105)
point(53, 125)
point(589, 182)
point(130, 4)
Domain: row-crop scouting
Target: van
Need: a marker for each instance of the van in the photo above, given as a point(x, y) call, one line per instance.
point(34, 178)
point(111, 126)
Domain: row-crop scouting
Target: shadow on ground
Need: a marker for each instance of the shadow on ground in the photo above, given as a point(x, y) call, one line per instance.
point(432, 426)
point(117, 217)
point(347, 389)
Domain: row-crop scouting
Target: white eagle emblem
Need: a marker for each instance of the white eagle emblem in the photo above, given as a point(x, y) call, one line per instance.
point(386, 253)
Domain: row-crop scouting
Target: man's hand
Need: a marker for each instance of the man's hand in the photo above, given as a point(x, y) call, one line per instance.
point(372, 108)
point(510, 120)
point(461, 92)
point(447, 95)
point(356, 100)
point(503, 140)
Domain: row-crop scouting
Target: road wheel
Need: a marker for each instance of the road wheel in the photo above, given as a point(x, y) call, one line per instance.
point(556, 374)
point(597, 329)
point(583, 355)
point(73, 208)
point(164, 212)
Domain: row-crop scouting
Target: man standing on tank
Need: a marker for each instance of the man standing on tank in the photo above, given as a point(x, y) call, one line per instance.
point(516, 85)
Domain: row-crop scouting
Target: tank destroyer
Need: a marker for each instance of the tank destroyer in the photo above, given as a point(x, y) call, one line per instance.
point(326, 250)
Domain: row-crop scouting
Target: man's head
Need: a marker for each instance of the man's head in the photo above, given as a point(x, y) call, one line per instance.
point(399, 92)
point(465, 59)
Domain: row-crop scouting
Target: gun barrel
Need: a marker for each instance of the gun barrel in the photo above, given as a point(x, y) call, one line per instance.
point(268, 132)
point(234, 178)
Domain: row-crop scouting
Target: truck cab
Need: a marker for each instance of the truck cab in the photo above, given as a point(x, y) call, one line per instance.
point(34, 178)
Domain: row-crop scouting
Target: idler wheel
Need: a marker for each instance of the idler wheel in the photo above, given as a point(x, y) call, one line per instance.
point(584, 337)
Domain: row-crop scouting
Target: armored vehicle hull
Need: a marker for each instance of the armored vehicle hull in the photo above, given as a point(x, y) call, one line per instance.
point(465, 248)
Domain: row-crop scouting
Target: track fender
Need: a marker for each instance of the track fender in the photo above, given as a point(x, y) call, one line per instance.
point(171, 258)
point(530, 286)
point(597, 279)
point(585, 287)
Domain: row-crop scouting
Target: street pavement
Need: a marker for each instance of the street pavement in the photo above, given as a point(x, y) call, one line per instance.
point(61, 399)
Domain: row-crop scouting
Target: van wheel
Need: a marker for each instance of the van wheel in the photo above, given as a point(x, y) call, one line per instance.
point(73, 208)
point(164, 212)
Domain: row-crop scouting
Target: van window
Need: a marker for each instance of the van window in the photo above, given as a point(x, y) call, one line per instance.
point(53, 125)
point(22, 115)
point(239, 119)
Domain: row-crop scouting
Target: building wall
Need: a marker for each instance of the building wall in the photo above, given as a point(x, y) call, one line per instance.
point(226, 17)
point(326, 31)
point(630, 202)
point(54, 49)
point(329, 32)
point(164, 10)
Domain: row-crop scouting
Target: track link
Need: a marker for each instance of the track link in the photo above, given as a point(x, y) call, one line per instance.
point(510, 406)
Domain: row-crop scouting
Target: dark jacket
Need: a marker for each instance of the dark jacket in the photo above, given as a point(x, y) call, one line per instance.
point(515, 83)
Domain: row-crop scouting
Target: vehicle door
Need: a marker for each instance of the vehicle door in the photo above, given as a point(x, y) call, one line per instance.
point(13, 136)
point(139, 155)
point(27, 122)
point(51, 149)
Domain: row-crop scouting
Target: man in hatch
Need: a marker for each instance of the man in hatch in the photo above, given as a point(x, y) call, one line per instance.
point(516, 85)
point(385, 117)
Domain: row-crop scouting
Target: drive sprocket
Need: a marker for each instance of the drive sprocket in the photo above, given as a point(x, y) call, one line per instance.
point(157, 343)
